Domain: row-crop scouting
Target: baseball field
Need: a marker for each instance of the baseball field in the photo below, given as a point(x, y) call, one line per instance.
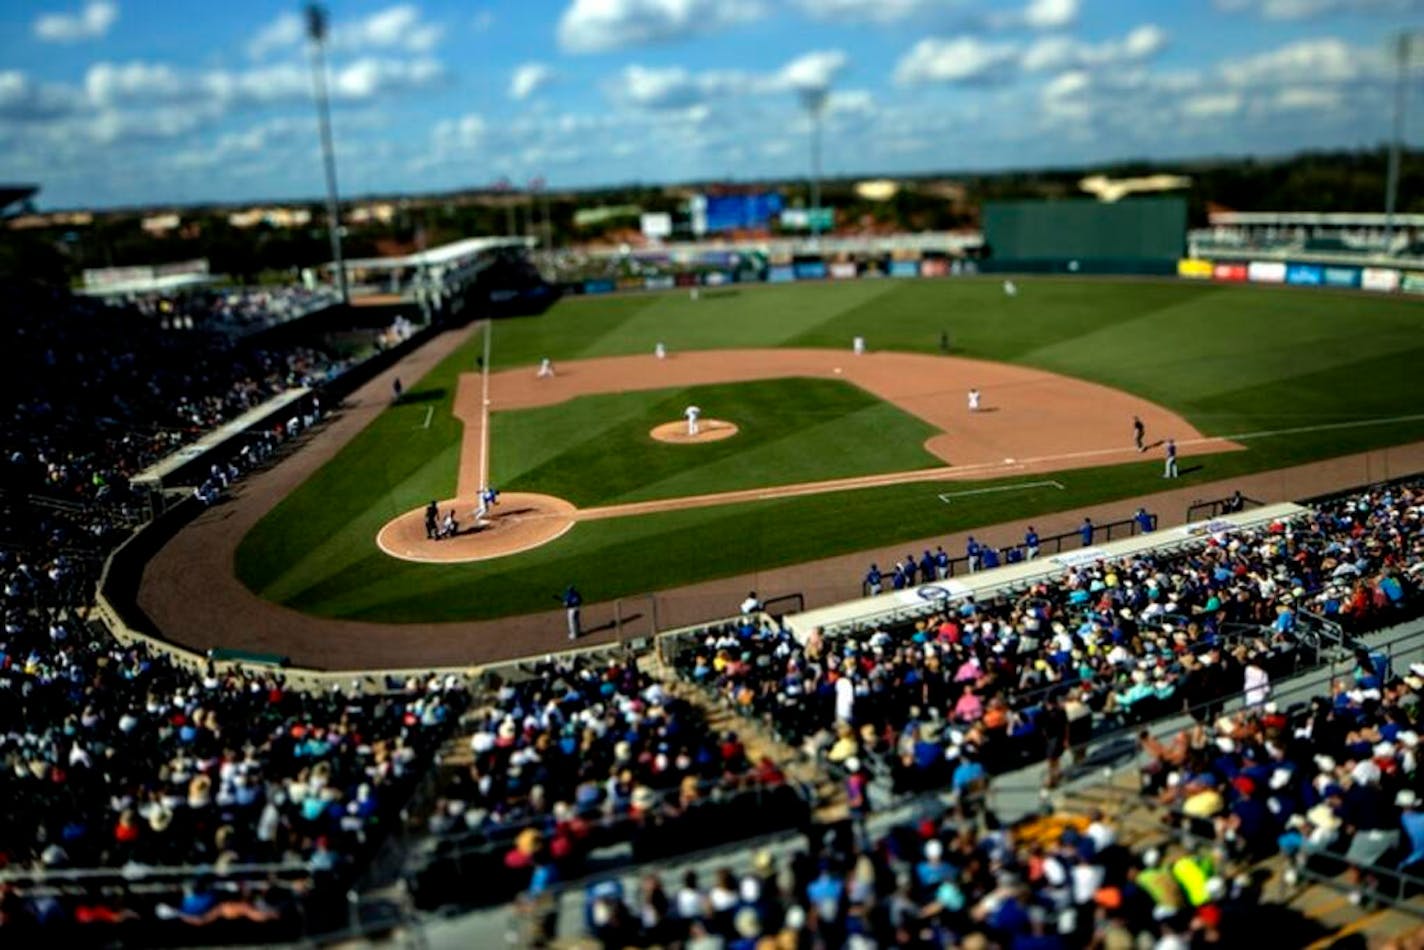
point(832, 452)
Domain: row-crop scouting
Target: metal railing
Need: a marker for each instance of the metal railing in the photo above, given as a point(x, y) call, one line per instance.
point(1211, 508)
point(1050, 545)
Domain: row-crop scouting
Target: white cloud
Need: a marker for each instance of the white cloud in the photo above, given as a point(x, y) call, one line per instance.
point(465, 132)
point(528, 79)
point(1054, 53)
point(400, 28)
point(1308, 61)
point(874, 11)
point(288, 30)
point(91, 22)
point(1309, 9)
point(24, 100)
point(677, 88)
point(812, 72)
point(962, 59)
point(597, 26)
point(394, 28)
point(1213, 105)
point(1306, 98)
point(1050, 14)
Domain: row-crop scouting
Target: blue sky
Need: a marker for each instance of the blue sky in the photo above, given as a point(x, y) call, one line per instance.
point(115, 102)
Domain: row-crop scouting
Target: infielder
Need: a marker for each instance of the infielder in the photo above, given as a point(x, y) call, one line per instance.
point(546, 367)
point(1170, 469)
point(660, 351)
point(692, 412)
point(489, 497)
point(858, 345)
point(1139, 434)
point(973, 400)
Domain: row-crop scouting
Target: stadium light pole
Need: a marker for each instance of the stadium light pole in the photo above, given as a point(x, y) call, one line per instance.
point(316, 32)
point(1403, 46)
point(814, 102)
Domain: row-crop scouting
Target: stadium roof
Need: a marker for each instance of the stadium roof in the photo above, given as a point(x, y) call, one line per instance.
point(152, 284)
point(14, 194)
point(444, 254)
point(1287, 219)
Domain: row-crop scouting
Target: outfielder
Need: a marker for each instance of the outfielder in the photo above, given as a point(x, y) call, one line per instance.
point(692, 412)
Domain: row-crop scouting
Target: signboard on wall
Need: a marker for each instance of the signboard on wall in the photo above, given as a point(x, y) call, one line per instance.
point(657, 226)
point(1194, 268)
point(1384, 279)
point(1266, 272)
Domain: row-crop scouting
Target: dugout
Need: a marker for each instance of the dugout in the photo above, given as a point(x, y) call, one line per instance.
point(1082, 235)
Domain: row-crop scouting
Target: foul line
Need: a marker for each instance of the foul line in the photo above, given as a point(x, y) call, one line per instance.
point(429, 414)
point(947, 495)
point(1326, 427)
point(485, 409)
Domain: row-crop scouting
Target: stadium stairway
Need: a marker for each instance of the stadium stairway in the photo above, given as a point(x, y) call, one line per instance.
point(758, 741)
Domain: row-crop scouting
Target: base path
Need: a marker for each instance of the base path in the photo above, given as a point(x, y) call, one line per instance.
point(190, 591)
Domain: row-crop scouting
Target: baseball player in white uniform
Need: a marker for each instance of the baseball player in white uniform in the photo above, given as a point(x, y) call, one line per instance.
point(973, 400)
point(489, 497)
point(692, 412)
point(858, 345)
point(546, 367)
point(660, 351)
point(1010, 290)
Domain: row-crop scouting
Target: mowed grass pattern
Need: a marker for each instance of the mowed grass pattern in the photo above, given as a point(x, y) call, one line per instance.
point(1232, 359)
point(596, 450)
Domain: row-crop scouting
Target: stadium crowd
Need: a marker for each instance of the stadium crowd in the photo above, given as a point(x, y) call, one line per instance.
point(1107, 643)
point(585, 753)
point(235, 309)
point(1330, 779)
point(952, 882)
point(114, 755)
point(109, 396)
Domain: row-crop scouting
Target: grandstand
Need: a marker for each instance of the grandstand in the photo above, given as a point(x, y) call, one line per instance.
point(1326, 238)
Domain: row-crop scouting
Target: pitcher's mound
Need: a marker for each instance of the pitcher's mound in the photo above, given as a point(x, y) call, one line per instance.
point(709, 430)
point(519, 522)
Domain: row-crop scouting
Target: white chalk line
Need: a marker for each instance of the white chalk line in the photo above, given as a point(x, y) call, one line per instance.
point(485, 409)
point(429, 414)
point(1021, 486)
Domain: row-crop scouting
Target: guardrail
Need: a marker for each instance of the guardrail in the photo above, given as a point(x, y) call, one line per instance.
point(1108, 531)
point(1220, 506)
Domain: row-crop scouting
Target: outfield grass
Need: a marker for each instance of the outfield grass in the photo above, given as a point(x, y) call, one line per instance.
point(1233, 360)
point(596, 450)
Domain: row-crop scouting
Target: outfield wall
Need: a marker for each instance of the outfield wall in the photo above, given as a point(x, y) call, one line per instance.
point(912, 264)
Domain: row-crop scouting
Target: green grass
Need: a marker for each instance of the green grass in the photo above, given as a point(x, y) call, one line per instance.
point(596, 450)
point(1231, 359)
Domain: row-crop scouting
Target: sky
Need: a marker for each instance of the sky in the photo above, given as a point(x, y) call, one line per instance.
point(154, 102)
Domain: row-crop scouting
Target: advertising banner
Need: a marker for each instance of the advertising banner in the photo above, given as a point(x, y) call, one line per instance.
point(630, 283)
point(739, 212)
point(1413, 282)
point(904, 268)
point(810, 270)
point(657, 226)
point(1266, 272)
point(716, 278)
point(1305, 275)
point(1229, 272)
point(599, 287)
point(1380, 278)
point(1342, 277)
point(686, 280)
point(934, 267)
point(1195, 268)
point(780, 274)
point(805, 219)
point(843, 270)
point(661, 282)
